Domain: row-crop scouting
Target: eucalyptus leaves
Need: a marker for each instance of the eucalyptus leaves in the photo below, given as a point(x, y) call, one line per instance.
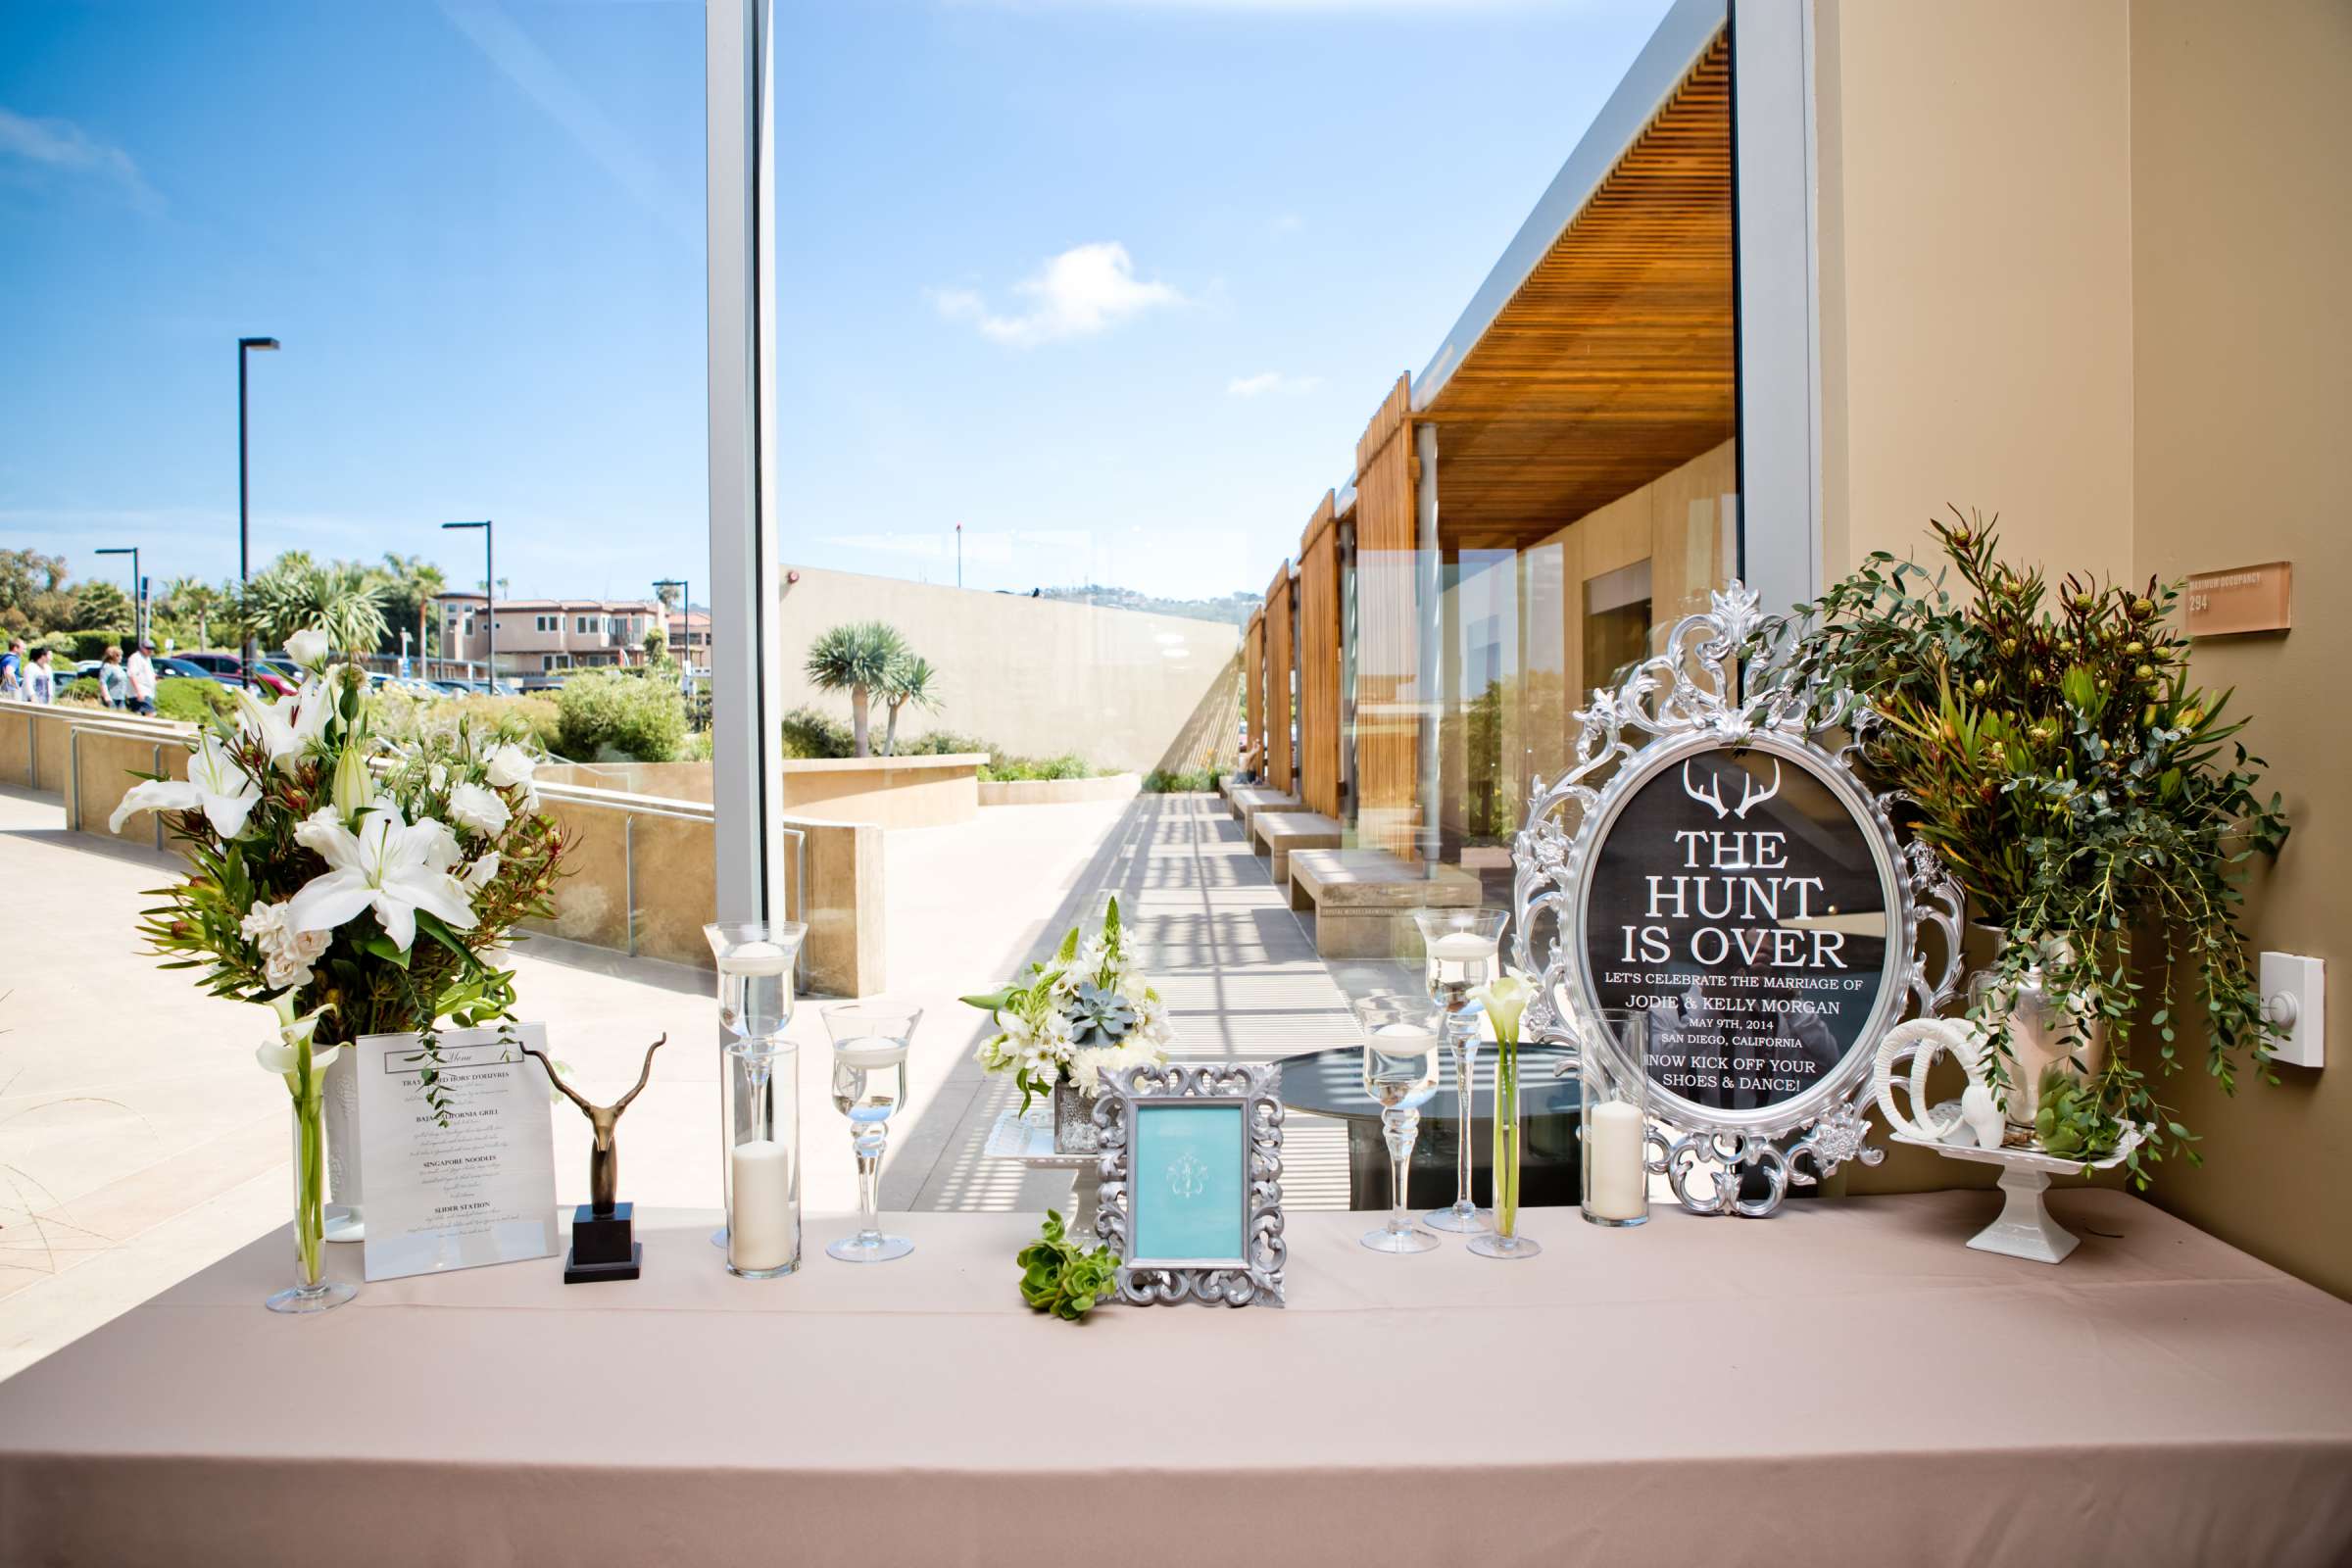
point(2048, 743)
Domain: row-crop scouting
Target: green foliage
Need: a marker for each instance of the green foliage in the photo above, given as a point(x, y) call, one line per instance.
point(1060, 1277)
point(100, 603)
point(946, 743)
point(603, 716)
point(83, 689)
point(344, 599)
point(1070, 764)
point(810, 734)
point(191, 698)
point(2071, 1123)
point(856, 658)
point(1193, 781)
point(82, 645)
point(530, 722)
point(2054, 752)
point(32, 592)
point(910, 682)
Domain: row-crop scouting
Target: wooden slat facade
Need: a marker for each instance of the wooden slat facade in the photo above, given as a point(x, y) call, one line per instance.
point(1254, 684)
point(1388, 637)
point(1614, 361)
point(1320, 661)
point(1280, 763)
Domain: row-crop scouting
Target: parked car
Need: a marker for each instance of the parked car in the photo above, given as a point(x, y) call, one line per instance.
point(222, 666)
point(180, 664)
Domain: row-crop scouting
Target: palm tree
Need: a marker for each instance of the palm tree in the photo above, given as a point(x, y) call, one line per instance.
point(340, 600)
point(857, 658)
point(194, 599)
point(911, 680)
point(413, 582)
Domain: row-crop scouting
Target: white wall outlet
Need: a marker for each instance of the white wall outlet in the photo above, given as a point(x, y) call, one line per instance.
point(2294, 995)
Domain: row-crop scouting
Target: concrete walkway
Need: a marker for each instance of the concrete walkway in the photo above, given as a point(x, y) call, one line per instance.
point(138, 1142)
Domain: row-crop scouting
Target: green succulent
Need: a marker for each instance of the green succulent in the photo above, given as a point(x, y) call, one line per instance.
point(2071, 1123)
point(1060, 1277)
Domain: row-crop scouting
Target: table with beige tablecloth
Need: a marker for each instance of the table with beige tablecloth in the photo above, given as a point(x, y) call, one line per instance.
point(1845, 1383)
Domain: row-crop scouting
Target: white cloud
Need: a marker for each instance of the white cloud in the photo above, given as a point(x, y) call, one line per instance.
point(1286, 223)
point(1271, 383)
point(1085, 290)
point(61, 145)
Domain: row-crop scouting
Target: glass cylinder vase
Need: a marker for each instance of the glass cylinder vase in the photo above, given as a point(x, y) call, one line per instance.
point(760, 1096)
point(1612, 1068)
point(311, 1290)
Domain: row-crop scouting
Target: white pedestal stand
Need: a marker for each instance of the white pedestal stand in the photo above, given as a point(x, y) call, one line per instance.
point(1029, 1139)
point(2025, 1228)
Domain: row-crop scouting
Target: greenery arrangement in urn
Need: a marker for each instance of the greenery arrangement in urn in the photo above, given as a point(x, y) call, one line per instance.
point(2097, 808)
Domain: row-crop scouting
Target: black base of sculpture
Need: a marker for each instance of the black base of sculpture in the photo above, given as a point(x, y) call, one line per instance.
point(600, 1247)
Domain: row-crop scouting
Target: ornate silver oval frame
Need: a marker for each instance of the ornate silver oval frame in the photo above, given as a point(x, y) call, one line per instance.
point(1695, 697)
point(1252, 1277)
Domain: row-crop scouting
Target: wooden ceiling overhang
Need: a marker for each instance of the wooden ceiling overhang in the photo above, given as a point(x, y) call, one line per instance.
point(1613, 362)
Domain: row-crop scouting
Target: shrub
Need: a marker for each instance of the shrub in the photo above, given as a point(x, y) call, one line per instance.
point(1007, 769)
point(603, 716)
point(528, 721)
point(83, 689)
point(190, 698)
point(943, 742)
point(1160, 781)
point(94, 644)
point(808, 733)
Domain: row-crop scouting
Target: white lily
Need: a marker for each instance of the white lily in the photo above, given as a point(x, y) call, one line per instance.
point(308, 649)
point(380, 863)
point(1505, 999)
point(215, 785)
point(287, 727)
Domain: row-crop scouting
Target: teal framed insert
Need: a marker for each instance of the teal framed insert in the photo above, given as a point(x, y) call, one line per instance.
point(1188, 1191)
point(1191, 1183)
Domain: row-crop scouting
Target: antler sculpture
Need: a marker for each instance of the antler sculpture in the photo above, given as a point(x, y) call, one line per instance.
point(604, 1160)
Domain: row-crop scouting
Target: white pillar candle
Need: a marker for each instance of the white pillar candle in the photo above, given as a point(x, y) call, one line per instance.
point(1619, 1184)
point(1458, 945)
point(1406, 1037)
point(759, 1229)
point(754, 958)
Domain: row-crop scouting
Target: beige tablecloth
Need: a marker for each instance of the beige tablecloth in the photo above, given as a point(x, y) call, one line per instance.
point(1842, 1383)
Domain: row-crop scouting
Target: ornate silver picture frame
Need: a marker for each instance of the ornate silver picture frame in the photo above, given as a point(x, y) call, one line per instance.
point(1191, 1183)
point(1691, 720)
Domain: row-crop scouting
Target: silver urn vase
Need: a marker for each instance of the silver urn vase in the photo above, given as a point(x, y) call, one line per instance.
point(1074, 1129)
point(2039, 1037)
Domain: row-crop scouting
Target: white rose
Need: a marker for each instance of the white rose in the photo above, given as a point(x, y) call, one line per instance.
point(438, 777)
point(308, 649)
point(510, 765)
point(284, 971)
point(478, 874)
point(479, 808)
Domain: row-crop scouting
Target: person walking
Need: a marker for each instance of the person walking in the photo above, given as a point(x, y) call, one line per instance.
point(40, 681)
point(12, 669)
point(112, 679)
point(140, 671)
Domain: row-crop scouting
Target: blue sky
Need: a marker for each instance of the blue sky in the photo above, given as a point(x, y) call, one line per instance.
point(1116, 283)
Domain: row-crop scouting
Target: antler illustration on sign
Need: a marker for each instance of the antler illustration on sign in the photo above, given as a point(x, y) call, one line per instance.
point(1751, 796)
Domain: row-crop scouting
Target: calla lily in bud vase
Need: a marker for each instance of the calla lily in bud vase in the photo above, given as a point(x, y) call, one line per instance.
point(1505, 999)
point(295, 1056)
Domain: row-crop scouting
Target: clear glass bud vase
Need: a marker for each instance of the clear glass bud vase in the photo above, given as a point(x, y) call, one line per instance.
point(311, 1290)
point(760, 1107)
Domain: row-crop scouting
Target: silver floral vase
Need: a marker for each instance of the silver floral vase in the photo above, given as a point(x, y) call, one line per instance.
point(1074, 1129)
point(2038, 1038)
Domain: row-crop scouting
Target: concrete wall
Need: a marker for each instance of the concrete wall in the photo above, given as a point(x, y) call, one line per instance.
point(1034, 677)
point(1059, 790)
point(884, 791)
point(1976, 274)
point(2243, 375)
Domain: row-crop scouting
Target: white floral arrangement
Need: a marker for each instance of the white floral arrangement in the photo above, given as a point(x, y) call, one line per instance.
point(1084, 1012)
point(354, 885)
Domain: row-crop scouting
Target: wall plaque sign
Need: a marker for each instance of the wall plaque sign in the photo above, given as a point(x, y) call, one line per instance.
point(1711, 862)
point(2243, 598)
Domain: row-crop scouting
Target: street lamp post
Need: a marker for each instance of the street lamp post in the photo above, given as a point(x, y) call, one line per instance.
point(489, 590)
point(138, 618)
point(245, 346)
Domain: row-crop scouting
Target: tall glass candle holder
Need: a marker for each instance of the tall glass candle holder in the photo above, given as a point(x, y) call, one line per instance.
point(754, 961)
point(1462, 951)
point(1612, 1067)
point(759, 1095)
point(1401, 1074)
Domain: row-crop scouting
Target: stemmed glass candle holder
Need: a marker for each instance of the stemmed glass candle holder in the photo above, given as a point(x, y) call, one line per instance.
point(760, 1093)
point(869, 1082)
point(754, 959)
point(1612, 1068)
point(1400, 1073)
point(1463, 951)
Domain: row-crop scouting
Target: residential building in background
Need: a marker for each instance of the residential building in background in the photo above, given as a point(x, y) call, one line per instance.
point(541, 636)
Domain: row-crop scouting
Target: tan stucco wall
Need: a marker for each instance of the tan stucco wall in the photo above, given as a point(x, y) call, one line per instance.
point(1032, 677)
point(2243, 362)
point(1975, 279)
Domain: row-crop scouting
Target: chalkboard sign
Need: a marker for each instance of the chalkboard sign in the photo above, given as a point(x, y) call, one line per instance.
point(1712, 860)
point(1738, 899)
